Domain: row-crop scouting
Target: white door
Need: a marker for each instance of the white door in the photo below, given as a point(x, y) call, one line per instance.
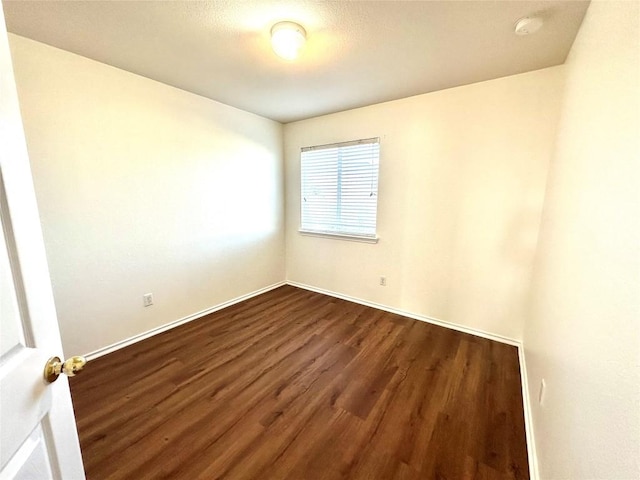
point(38, 437)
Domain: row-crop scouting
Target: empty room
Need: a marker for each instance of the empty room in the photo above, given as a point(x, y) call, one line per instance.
point(296, 239)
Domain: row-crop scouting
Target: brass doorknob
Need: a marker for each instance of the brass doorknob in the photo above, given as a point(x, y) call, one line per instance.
point(54, 367)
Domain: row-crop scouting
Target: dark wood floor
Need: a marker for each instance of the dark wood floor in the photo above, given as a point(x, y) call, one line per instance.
point(297, 385)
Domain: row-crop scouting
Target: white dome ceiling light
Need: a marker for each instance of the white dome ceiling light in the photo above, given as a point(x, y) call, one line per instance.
point(528, 25)
point(287, 38)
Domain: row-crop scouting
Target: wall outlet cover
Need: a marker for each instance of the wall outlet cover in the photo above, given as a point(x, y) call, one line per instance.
point(147, 299)
point(543, 386)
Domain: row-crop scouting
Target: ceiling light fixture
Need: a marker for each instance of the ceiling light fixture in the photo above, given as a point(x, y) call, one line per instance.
point(528, 25)
point(287, 38)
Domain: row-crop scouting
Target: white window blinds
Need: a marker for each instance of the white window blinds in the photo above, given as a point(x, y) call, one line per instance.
point(340, 188)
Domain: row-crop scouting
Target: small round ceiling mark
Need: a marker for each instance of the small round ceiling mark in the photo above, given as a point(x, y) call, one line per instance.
point(528, 25)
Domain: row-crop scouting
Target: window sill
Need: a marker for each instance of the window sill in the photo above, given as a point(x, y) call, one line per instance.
point(340, 236)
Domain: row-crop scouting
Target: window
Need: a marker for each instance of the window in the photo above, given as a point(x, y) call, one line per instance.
point(340, 189)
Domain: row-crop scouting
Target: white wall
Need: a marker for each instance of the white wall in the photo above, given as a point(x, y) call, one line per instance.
point(145, 188)
point(462, 179)
point(583, 335)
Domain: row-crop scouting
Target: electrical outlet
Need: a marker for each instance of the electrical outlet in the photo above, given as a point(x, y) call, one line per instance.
point(147, 299)
point(383, 281)
point(543, 386)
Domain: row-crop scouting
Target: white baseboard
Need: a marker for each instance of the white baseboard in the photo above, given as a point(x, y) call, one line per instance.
point(168, 326)
point(528, 417)
point(415, 316)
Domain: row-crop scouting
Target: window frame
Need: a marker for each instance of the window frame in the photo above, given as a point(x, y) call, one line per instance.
point(352, 236)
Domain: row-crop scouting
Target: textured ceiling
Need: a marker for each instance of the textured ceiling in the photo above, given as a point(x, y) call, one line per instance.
point(358, 52)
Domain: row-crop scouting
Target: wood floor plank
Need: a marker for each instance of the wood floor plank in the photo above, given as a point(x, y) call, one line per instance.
point(296, 385)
